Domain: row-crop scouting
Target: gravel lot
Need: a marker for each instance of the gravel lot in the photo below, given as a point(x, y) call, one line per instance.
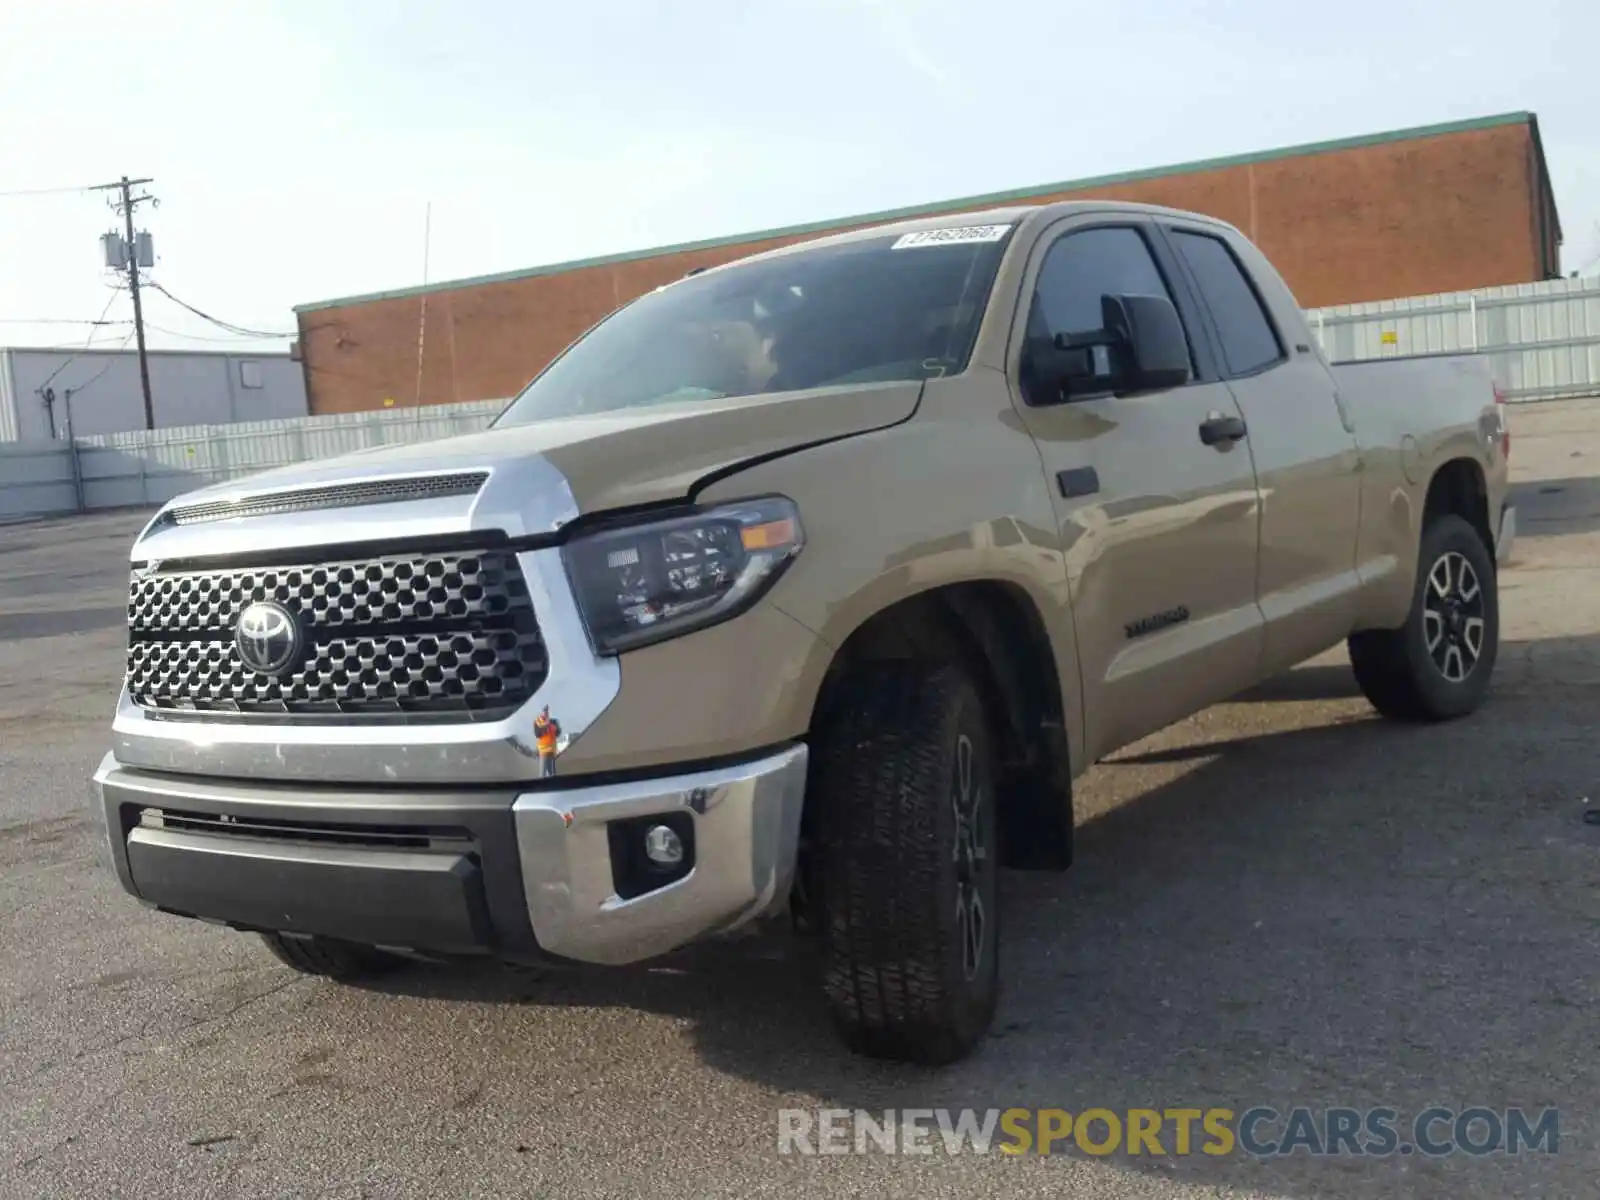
point(1281, 901)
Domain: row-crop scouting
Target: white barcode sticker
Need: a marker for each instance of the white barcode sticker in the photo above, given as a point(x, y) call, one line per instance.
point(953, 236)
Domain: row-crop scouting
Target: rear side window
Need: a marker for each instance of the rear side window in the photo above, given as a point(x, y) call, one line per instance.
point(1248, 341)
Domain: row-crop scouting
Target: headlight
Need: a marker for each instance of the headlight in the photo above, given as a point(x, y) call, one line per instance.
point(645, 583)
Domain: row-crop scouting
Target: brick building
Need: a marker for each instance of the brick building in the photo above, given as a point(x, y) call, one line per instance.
point(1409, 212)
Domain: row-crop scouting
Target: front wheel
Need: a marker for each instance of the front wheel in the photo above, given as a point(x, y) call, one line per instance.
point(903, 784)
point(1438, 664)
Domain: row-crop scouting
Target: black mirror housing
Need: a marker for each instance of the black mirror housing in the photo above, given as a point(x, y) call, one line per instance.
point(1149, 337)
point(1140, 347)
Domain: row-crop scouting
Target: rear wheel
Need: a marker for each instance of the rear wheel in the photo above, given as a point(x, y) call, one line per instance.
point(903, 784)
point(343, 961)
point(1438, 664)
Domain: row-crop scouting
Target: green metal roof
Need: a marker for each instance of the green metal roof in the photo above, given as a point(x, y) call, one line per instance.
point(1020, 195)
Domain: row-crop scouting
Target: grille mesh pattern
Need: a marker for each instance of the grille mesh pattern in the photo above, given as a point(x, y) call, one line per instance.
point(356, 592)
point(440, 633)
point(343, 495)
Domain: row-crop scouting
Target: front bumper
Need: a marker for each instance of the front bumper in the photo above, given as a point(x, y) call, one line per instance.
point(517, 873)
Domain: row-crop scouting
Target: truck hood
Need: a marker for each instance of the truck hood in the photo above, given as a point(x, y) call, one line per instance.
point(543, 474)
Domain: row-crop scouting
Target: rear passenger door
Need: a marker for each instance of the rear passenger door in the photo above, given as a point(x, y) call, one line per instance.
point(1306, 457)
point(1158, 524)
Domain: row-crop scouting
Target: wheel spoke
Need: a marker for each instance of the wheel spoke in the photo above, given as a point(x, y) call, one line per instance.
point(1467, 582)
point(977, 922)
point(1455, 669)
point(1439, 577)
point(968, 855)
point(960, 797)
point(970, 929)
point(1472, 637)
point(963, 771)
point(1432, 628)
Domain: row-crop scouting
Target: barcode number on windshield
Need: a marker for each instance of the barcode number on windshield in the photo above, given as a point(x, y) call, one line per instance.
point(946, 237)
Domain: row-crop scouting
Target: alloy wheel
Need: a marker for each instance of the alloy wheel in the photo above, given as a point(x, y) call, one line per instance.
point(1453, 625)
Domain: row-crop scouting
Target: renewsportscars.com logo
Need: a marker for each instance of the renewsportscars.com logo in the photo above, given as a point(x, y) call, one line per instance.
point(1261, 1131)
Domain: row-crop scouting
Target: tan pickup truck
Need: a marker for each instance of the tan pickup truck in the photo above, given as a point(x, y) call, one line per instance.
point(802, 587)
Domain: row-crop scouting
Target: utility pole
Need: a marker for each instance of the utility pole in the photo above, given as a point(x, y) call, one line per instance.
point(126, 206)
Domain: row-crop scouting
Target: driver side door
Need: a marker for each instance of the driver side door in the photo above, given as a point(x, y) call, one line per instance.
point(1158, 515)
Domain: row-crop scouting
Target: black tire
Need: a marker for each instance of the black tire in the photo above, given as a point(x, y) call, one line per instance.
point(1405, 677)
point(342, 961)
point(891, 858)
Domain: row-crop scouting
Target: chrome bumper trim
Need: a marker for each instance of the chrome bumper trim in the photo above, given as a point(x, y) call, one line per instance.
point(579, 687)
point(747, 834)
point(1508, 534)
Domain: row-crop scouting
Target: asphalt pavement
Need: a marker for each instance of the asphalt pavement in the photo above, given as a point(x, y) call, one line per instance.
point(1282, 901)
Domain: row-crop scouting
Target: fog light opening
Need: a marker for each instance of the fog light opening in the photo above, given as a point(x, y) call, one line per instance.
point(663, 847)
point(651, 852)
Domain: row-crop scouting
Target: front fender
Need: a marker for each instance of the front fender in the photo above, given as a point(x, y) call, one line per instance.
point(955, 495)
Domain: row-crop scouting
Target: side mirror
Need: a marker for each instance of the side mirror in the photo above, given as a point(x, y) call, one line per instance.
point(1147, 331)
point(1140, 347)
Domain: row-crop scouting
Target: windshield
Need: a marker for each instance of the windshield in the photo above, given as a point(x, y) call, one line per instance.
point(901, 307)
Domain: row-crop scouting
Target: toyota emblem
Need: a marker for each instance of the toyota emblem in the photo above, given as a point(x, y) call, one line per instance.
point(268, 638)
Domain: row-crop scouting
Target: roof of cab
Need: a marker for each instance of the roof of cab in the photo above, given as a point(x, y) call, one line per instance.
point(1010, 215)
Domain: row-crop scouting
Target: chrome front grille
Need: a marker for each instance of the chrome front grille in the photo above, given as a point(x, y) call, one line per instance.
point(392, 634)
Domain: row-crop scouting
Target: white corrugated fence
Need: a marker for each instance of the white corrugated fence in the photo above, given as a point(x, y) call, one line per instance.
point(1543, 337)
point(147, 468)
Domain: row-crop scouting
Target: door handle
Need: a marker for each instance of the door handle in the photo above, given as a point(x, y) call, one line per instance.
point(1218, 430)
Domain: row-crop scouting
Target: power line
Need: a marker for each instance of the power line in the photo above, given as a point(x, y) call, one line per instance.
point(217, 321)
point(1594, 258)
point(110, 362)
point(48, 191)
point(57, 321)
point(71, 358)
point(67, 393)
point(232, 340)
point(118, 185)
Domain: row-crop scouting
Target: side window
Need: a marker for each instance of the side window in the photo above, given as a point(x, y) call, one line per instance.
point(1077, 271)
point(1248, 340)
point(1082, 267)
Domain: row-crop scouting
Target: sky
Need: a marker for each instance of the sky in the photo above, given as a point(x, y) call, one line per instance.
point(304, 150)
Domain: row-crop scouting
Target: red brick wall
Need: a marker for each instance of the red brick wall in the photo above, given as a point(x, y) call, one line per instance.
point(1403, 218)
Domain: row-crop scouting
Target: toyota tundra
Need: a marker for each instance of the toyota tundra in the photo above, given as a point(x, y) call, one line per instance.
point(802, 587)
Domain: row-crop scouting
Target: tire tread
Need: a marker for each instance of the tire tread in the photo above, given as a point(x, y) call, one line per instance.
point(330, 959)
point(875, 766)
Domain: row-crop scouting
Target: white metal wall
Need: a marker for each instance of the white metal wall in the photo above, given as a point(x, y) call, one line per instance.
point(36, 480)
point(1544, 337)
point(98, 391)
point(144, 469)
